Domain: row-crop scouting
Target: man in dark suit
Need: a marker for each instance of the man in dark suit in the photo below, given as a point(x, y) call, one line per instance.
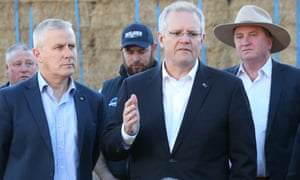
point(20, 64)
point(273, 88)
point(50, 124)
point(184, 120)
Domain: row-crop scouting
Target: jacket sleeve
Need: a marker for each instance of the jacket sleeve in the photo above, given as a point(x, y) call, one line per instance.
point(5, 133)
point(242, 145)
point(294, 169)
point(113, 145)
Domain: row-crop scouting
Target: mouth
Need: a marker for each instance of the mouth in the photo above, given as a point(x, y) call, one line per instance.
point(184, 49)
point(68, 65)
point(136, 67)
point(246, 50)
point(24, 77)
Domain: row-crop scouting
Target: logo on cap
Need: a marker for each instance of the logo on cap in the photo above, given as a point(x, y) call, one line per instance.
point(133, 34)
point(137, 34)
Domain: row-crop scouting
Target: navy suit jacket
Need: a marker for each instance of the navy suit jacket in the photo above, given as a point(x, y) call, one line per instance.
point(25, 143)
point(217, 126)
point(294, 170)
point(283, 119)
point(5, 85)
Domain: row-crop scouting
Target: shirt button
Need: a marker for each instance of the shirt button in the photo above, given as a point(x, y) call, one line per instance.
point(172, 161)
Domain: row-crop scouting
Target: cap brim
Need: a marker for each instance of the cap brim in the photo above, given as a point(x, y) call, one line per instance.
point(136, 43)
point(281, 37)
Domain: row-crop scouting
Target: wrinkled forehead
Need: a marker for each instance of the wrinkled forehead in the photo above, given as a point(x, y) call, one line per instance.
point(21, 56)
point(183, 19)
point(61, 36)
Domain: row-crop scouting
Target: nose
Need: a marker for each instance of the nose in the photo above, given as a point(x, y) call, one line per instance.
point(135, 57)
point(69, 51)
point(245, 40)
point(185, 37)
point(24, 67)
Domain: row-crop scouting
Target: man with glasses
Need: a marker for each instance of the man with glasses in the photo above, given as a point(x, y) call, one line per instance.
point(184, 120)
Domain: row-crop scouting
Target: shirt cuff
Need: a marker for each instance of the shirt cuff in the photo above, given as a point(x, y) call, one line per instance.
point(128, 140)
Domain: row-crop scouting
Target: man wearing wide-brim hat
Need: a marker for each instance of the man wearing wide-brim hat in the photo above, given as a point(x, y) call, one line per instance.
point(273, 89)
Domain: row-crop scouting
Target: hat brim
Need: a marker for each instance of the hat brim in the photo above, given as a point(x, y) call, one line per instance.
point(136, 43)
point(281, 37)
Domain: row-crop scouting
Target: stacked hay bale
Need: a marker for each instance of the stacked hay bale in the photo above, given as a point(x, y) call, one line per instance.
point(102, 22)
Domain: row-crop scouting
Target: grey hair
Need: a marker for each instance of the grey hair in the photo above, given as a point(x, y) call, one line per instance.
point(48, 24)
point(180, 6)
point(16, 47)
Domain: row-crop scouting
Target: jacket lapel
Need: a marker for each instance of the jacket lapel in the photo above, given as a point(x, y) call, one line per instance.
point(156, 85)
point(276, 88)
point(80, 105)
point(33, 97)
point(233, 70)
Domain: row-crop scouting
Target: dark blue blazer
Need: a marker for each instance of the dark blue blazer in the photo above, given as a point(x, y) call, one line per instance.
point(294, 170)
point(5, 85)
point(217, 125)
point(283, 118)
point(25, 144)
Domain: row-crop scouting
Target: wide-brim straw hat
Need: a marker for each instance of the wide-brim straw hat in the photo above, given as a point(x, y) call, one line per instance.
point(256, 16)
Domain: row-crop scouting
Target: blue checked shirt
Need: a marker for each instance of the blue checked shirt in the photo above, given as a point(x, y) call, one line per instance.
point(62, 123)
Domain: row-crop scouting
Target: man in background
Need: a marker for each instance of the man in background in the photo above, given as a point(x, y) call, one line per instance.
point(273, 88)
point(20, 64)
point(138, 50)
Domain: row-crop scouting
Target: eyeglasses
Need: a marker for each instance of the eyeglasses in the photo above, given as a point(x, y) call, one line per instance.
point(179, 34)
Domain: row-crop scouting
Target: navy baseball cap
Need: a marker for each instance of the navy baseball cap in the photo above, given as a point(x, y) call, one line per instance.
point(137, 34)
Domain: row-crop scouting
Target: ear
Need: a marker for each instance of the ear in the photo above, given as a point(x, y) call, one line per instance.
point(6, 69)
point(154, 46)
point(270, 39)
point(203, 38)
point(161, 39)
point(36, 53)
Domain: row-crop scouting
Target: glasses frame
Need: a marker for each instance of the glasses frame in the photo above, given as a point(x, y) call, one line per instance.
point(179, 34)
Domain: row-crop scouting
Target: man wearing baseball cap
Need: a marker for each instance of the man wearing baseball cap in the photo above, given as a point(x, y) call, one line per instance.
point(273, 88)
point(138, 50)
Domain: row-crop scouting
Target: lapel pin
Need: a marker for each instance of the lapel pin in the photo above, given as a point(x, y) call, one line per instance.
point(81, 98)
point(204, 85)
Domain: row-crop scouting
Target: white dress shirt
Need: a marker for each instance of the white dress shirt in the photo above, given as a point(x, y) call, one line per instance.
point(258, 92)
point(62, 123)
point(176, 94)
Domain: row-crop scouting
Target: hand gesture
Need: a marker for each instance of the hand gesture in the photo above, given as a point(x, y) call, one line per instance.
point(131, 116)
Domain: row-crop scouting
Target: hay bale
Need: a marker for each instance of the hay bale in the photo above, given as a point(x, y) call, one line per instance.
point(102, 22)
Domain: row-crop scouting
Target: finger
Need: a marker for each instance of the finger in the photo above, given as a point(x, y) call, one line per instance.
point(130, 105)
point(131, 115)
point(134, 99)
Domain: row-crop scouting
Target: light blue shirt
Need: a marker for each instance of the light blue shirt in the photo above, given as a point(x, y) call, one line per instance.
point(62, 123)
